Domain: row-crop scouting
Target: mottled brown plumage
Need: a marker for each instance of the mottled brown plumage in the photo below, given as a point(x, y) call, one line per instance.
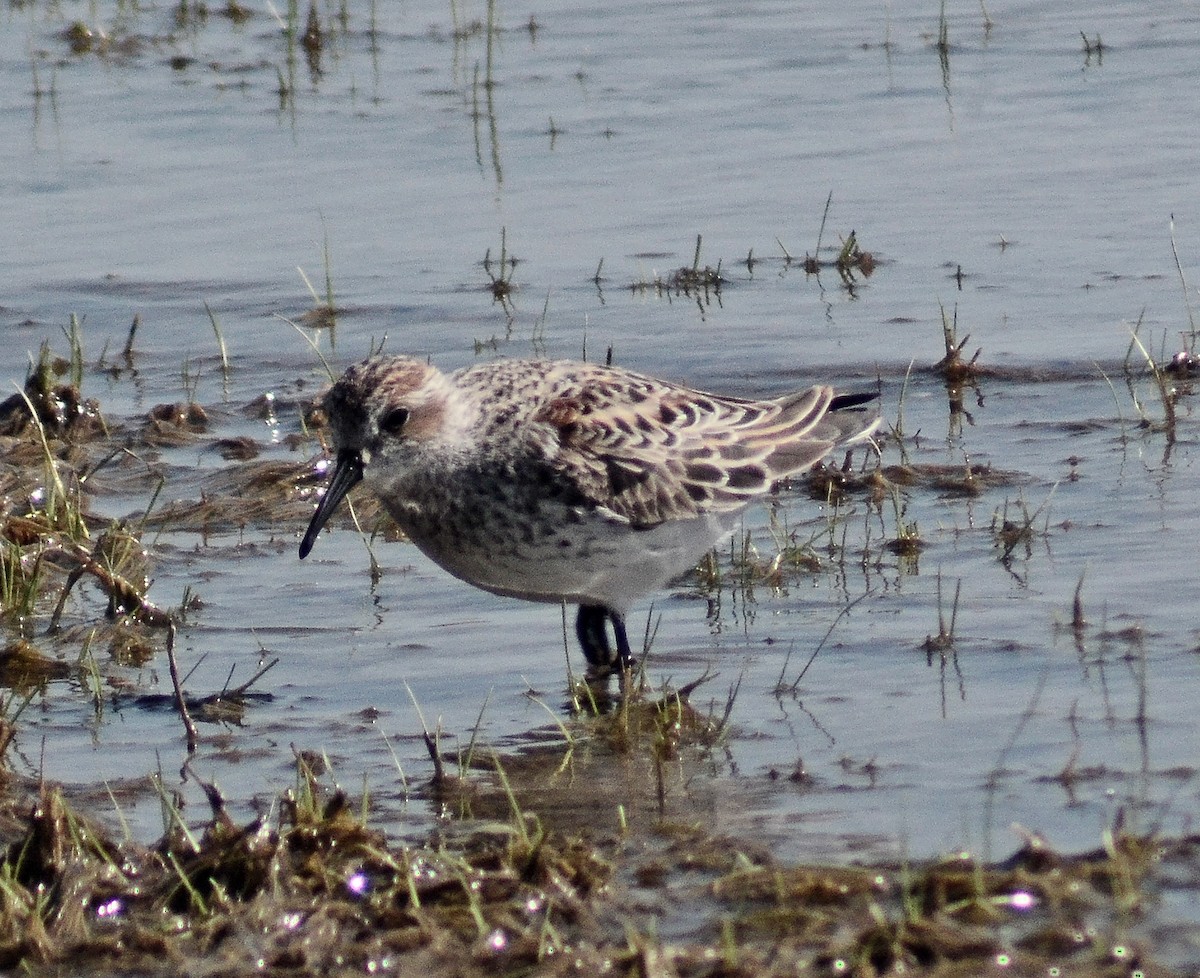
point(563, 481)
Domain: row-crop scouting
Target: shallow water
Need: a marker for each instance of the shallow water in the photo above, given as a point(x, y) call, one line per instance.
point(1048, 175)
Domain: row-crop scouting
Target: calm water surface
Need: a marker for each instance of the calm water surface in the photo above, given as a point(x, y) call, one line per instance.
point(165, 171)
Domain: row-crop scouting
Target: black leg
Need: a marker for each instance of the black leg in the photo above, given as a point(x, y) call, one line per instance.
point(624, 653)
point(593, 637)
point(592, 633)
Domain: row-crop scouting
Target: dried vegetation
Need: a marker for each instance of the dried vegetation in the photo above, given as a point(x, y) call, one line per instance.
point(548, 863)
point(573, 858)
point(314, 889)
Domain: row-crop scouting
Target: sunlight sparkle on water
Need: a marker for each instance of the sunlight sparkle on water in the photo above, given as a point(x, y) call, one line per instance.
point(110, 908)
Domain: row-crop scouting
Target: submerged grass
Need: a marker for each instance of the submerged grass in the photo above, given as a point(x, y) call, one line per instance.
point(315, 889)
point(1164, 386)
point(324, 311)
point(539, 856)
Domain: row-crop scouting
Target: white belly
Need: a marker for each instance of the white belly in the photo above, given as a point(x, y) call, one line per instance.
point(603, 561)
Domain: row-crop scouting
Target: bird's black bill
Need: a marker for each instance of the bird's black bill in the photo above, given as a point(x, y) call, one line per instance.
point(346, 475)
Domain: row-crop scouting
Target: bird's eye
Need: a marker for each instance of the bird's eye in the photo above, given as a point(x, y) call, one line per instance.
point(393, 421)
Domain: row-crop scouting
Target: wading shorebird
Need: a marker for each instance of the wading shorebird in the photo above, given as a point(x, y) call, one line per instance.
point(570, 482)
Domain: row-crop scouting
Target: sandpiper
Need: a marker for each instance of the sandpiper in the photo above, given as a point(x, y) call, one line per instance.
point(570, 482)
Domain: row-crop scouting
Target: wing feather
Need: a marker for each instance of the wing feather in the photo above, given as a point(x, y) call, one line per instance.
point(649, 452)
